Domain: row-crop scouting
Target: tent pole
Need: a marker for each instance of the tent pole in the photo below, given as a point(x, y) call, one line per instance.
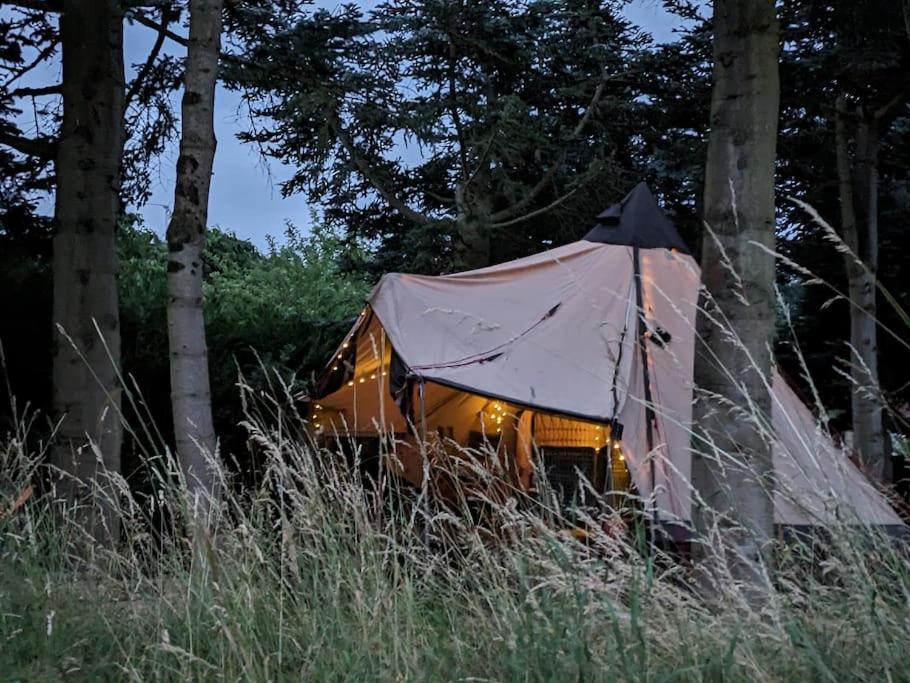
point(384, 436)
point(646, 377)
point(422, 433)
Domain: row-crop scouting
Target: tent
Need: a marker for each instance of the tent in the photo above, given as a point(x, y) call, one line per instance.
point(577, 360)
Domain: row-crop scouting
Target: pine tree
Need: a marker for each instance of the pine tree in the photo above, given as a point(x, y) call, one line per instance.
point(518, 111)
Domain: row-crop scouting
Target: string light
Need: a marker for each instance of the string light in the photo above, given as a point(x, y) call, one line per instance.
point(351, 383)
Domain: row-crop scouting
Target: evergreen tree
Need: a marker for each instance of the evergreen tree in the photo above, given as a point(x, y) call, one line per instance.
point(516, 110)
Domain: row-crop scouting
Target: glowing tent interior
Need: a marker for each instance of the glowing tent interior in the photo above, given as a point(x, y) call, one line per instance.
point(575, 360)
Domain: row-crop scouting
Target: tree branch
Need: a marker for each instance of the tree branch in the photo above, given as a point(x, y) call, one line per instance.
point(538, 212)
point(55, 89)
point(138, 82)
point(43, 148)
point(882, 112)
point(598, 93)
point(44, 54)
point(526, 201)
point(439, 198)
point(180, 40)
point(37, 5)
point(161, 28)
point(369, 172)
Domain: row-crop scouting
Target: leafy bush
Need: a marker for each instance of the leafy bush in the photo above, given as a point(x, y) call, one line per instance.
point(276, 313)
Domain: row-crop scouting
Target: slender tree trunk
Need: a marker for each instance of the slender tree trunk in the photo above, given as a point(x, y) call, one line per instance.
point(732, 469)
point(868, 429)
point(473, 223)
point(190, 393)
point(86, 394)
point(858, 186)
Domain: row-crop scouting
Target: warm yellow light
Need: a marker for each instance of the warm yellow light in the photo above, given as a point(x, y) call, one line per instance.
point(318, 426)
point(334, 367)
point(345, 345)
point(350, 384)
point(384, 373)
point(339, 356)
point(362, 380)
point(622, 457)
point(373, 376)
point(318, 407)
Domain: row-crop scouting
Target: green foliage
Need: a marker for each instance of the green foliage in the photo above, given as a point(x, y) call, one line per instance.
point(288, 305)
point(268, 315)
point(25, 318)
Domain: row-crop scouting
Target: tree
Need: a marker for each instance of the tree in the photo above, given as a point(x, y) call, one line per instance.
point(866, 107)
point(851, 57)
point(86, 394)
point(521, 110)
point(190, 388)
point(90, 148)
point(732, 464)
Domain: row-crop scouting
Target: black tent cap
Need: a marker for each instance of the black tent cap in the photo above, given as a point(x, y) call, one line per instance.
point(637, 221)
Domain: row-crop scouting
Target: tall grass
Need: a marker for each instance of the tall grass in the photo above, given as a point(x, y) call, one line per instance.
point(313, 576)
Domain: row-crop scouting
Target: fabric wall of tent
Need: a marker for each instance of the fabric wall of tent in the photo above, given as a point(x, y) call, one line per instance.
point(577, 360)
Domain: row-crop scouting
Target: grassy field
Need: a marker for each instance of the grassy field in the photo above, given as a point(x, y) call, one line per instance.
point(309, 578)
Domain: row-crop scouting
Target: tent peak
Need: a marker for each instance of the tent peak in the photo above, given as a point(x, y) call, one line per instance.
point(637, 221)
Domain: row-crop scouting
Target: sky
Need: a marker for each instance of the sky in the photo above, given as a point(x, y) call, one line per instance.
point(245, 193)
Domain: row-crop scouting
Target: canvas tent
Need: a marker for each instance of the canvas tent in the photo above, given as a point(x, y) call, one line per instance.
point(581, 354)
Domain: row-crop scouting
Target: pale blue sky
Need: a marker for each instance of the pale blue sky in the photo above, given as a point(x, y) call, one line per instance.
point(245, 194)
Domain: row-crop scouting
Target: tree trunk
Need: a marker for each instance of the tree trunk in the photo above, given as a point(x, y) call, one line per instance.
point(732, 468)
point(866, 404)
point(190, 394)
point(473, 243)
point(473, 222)
point(86, 394)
